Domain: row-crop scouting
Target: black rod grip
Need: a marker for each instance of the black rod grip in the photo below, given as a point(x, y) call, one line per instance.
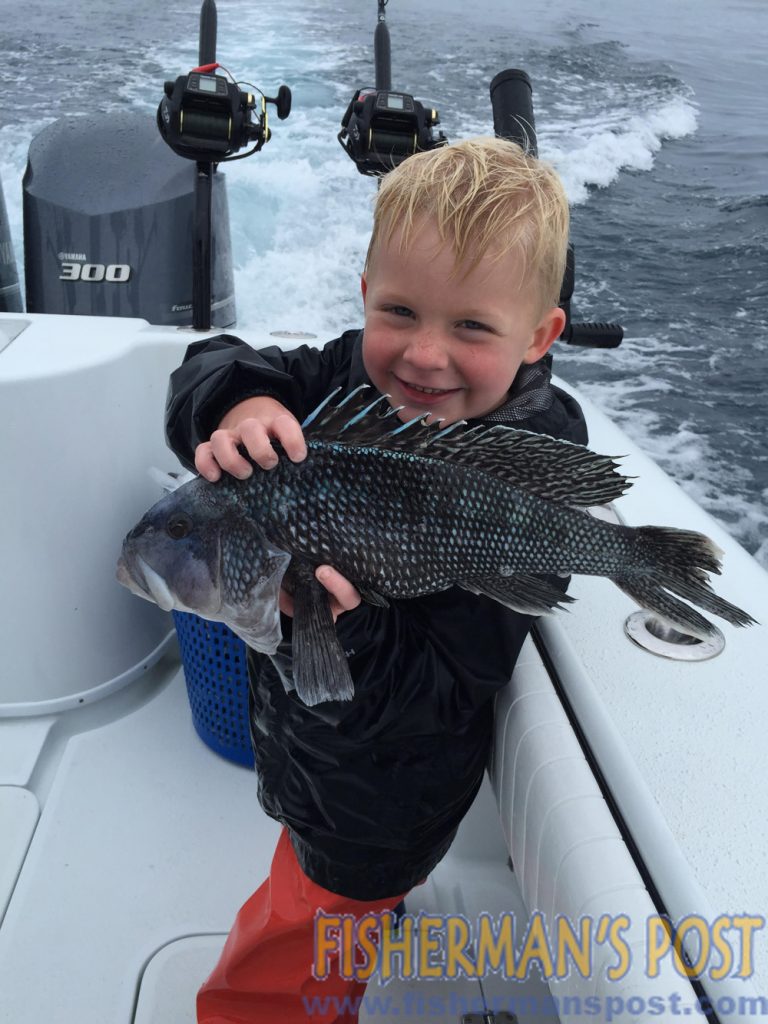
point(208, 21)
point(512, 103)
point(596, 335)
point(382, 56)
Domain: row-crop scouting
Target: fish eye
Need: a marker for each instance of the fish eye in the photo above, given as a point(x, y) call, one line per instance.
point(178, 526)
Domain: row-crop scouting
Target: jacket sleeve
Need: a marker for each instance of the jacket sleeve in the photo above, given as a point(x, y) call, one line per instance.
point(219, 372)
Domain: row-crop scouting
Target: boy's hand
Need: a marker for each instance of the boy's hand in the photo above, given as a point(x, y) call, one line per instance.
point(253, 423)
point(344, 597)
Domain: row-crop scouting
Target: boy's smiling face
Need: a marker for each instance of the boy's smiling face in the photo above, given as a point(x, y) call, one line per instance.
point(443, 342)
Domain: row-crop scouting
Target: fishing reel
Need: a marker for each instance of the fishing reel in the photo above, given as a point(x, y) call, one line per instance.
point(381, 128)
point(206, 117)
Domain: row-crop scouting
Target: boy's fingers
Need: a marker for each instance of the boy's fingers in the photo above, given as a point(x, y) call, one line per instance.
point(255, 435)
point(285, 602)
point(205, 462)
point(344, 596)
point(286, 430)
point(258, 444)
point(224, 447)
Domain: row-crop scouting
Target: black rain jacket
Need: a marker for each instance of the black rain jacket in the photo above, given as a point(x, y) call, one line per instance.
point(372, 790)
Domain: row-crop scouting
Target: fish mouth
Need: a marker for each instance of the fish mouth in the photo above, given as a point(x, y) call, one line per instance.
point(142, 580)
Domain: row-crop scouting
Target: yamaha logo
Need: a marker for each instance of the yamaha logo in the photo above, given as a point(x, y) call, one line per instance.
point(75, 270)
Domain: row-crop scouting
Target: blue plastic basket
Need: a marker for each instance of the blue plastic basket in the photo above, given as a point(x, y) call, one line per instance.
point(217, 684)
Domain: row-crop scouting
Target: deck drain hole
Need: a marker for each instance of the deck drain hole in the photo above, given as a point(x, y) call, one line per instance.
point(654, 635)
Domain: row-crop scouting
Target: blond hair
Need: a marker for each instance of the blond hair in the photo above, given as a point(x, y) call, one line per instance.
point(487, 197)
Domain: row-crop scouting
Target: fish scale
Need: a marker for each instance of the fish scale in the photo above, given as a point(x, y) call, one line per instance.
point(403, 510)
point(370, 513)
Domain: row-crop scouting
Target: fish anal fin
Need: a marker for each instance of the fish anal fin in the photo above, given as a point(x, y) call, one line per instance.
point(530, 595)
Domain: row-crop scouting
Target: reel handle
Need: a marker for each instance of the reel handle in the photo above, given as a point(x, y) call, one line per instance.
point(282, 101)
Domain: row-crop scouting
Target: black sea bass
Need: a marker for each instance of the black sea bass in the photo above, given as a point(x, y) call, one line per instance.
point(404, 510)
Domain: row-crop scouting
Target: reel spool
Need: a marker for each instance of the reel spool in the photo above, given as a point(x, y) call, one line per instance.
point(205, 117)
point(381, 128)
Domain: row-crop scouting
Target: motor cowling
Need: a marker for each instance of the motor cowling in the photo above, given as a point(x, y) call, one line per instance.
point(10, 290)
point(108, 224)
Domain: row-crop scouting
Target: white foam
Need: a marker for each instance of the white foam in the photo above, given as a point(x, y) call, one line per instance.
point(722, 488)
point(300, 230)
point(14, 144)
point(301, 215)
point(593, 153)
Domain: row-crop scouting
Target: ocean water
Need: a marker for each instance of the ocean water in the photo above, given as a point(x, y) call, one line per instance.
point(653, 114)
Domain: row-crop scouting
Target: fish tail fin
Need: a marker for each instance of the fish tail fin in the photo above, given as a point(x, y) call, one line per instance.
point(679, 562)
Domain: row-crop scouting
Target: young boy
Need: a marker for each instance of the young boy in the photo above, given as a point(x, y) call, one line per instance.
point(460, 291)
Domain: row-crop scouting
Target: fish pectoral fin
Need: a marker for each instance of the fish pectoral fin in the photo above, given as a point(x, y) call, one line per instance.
point(320, 667)
point(255, 618)
point(530, 595)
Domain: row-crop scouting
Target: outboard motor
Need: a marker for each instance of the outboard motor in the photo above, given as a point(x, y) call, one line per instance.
point(108, 224)
point(10, 292)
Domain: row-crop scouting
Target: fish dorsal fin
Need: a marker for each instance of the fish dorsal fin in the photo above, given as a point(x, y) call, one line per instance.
point(557, 470)
point(536, 463)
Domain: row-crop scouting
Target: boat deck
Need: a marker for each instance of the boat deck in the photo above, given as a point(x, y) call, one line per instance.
point(143, 844)
point(127, 846)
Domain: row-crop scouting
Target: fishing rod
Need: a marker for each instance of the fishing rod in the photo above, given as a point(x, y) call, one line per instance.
point(382, 127)
point(201, 239)
point(382, 50)
point(512, 105)
point(208, 118)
